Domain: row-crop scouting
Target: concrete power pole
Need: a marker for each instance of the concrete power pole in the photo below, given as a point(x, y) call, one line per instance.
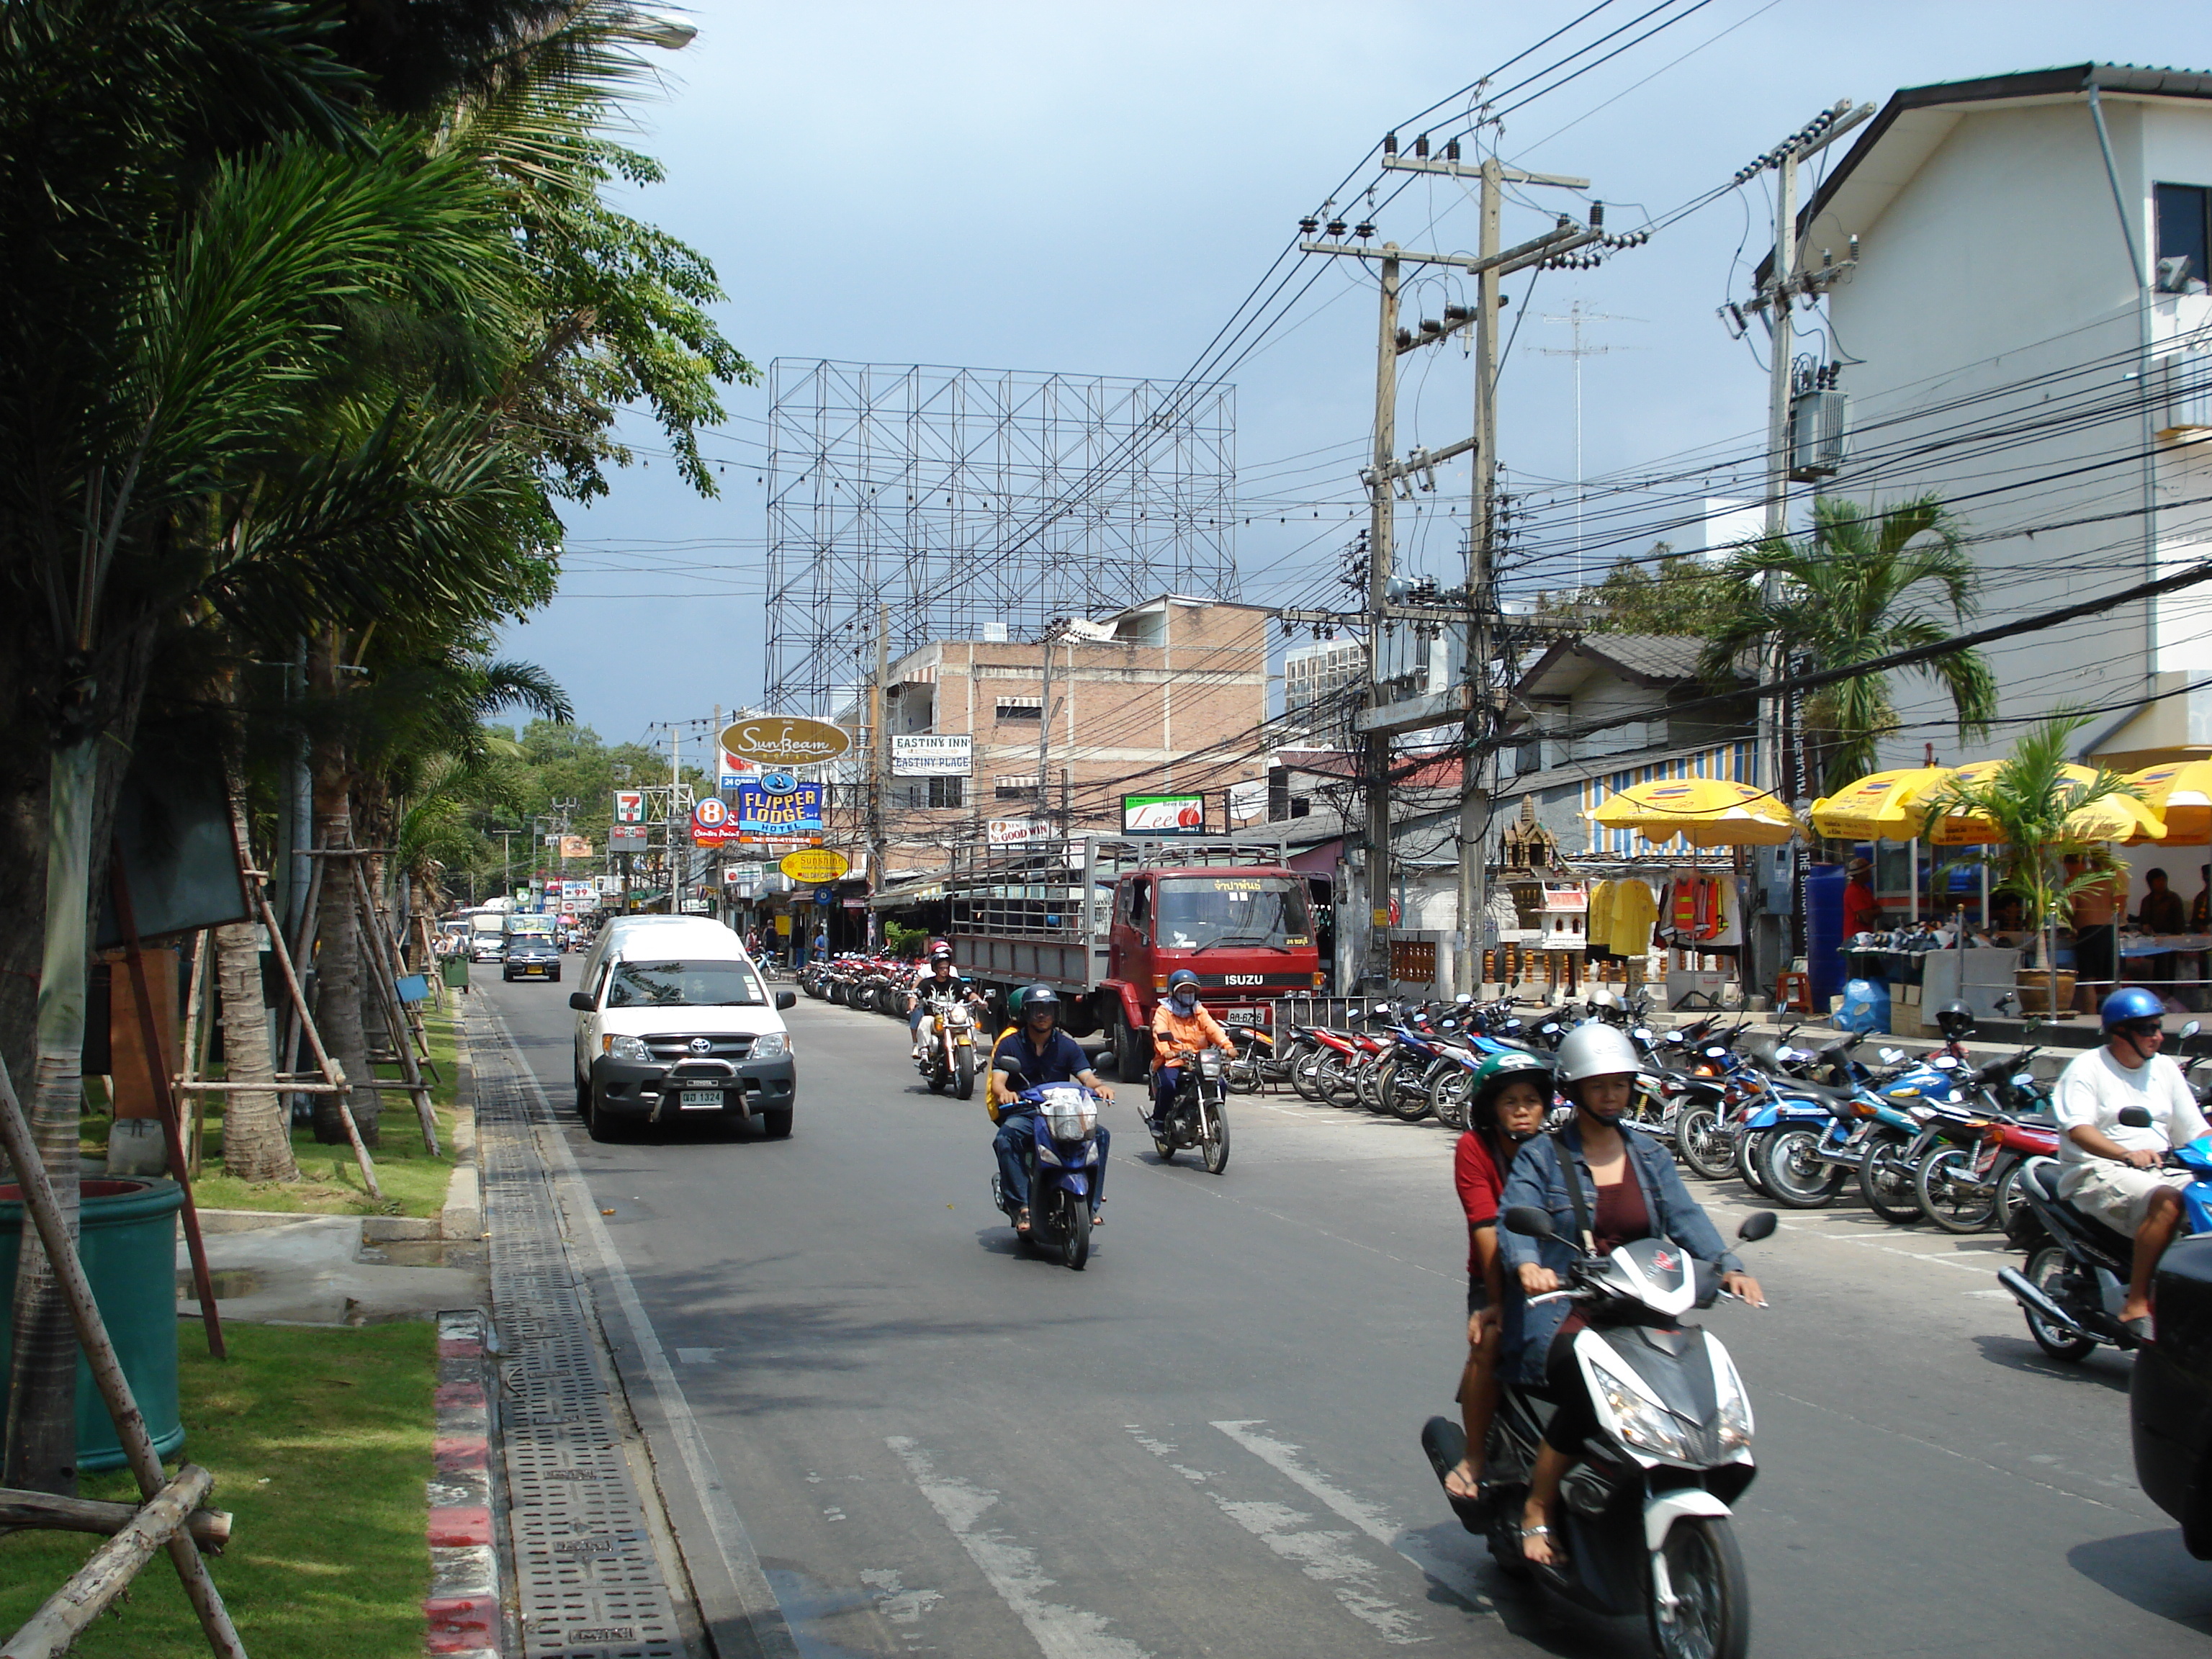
point(1766, 942)
point(1379, 723)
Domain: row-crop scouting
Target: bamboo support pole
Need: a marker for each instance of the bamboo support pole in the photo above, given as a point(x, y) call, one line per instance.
point(165, 1102)
point(328, 1067)
point(58, 1622)
point(44, 1512)
point(296, 1019)
point(395, 1013)
point(199, 1007)
point(45, 1213)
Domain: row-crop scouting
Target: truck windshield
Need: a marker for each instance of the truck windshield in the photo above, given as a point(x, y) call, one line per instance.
point(685, 985)
point(1198, 913)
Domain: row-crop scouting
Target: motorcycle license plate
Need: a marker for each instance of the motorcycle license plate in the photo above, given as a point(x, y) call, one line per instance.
point(1244, 1017)
point(699, 1100)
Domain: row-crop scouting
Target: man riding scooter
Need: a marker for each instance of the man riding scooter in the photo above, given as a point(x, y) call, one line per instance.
point(1181, 1027)
point(938, 980)
point(2111, 1169)
point(1039, 1053)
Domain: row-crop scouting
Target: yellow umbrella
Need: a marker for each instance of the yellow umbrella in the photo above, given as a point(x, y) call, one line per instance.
point(2114, 817)
point(1881, 806)
point(1706, 811)
point(2180, 793)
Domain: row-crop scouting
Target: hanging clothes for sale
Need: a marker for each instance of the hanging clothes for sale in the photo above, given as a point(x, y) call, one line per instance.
point(1597, 924)
point(1631, 910)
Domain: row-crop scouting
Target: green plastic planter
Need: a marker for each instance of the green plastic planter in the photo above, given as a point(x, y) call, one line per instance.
point(128, 1242)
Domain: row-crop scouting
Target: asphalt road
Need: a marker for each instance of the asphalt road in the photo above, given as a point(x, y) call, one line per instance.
point(1206, 1442)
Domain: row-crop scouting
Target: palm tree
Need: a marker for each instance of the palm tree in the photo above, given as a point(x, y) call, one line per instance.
point(2029, 798)
point(1864, 583)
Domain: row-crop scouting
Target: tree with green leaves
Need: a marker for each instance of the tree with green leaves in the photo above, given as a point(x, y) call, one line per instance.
point(1866, 582)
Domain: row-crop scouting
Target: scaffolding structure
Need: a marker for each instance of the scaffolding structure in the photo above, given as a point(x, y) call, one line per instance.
point(969, 500)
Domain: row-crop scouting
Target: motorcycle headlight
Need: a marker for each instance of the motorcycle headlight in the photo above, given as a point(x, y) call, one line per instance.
point(771, 1045)
point(1638, 1422)
point(625, 1048)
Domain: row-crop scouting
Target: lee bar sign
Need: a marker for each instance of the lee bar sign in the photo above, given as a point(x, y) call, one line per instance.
point(931, 754)
point(799, 813)
point(1163, 815)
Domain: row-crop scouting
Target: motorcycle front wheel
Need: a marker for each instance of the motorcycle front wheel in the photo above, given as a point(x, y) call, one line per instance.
point(1407, 1098)
point(1333, 1077)
point(1305, 1063)
point(1793, 1174)
point(2044, 1269)
point(1745, 1158)
point(1948, 1194)
point(1214, 1143)
point(1075, 1233)
point(1697, 1138)
point(964, 1079)
point(1711, 1615)
point(1886, 1182)
point(1448, 1096)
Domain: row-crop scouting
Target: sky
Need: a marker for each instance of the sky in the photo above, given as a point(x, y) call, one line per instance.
point(1094, 189)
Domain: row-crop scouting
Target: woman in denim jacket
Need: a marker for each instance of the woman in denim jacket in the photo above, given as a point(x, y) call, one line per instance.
point(1630, 1190)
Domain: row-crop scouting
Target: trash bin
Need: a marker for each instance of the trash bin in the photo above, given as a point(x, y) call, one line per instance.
point(128, 1243)
point(456, 973)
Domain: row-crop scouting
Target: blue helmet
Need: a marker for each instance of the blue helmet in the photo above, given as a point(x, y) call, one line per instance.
point(2131, 1003)
point(1181, 977)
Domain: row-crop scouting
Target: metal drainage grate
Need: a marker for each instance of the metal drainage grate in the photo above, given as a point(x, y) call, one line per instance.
point(588, 1581)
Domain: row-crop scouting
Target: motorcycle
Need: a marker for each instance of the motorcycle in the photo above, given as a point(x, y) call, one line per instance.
point(2077, 1269)
point(1256, 1064)
point(1063, 1159)
point(948, 1057)
point(1646, 1514)
point(1198, 1116)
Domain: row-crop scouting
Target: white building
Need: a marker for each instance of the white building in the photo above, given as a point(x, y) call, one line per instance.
point(2019, 335)
point(1314, 679)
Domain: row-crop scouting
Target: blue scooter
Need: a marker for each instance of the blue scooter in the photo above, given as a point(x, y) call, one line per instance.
point(1064, 1162)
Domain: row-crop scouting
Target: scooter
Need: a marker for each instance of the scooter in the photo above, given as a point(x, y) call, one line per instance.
point(1645, 1513)
point(2077, 1269)
point(1063, 1165)
point(948, 1058)
point(1198, 1116)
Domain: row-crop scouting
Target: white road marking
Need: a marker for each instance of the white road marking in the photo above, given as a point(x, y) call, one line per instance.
point(697, 1356)
point(1889, 1249)
point(1456, 1576)
point(1323, 1557)
point(1060, 1632)
point(899, 1605)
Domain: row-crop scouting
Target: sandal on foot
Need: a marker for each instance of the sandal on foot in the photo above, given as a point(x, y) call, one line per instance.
point(1098, 1219)
point(1481, 1489)
point(1022, 1223)
point(1559, 1558)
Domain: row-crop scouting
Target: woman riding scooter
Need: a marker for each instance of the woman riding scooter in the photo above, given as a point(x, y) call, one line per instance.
point(1603, 1186)
point(1505, 1106)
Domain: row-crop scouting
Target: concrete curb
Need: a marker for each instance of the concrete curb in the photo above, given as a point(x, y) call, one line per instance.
point(462, 1609)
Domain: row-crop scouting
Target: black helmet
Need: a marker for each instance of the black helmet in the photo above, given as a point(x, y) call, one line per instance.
point(1040, 996)
point(1955, 1020)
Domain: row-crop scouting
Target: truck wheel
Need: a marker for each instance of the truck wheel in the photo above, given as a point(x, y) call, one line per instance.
point(1132, 1053)
point(776, 1126)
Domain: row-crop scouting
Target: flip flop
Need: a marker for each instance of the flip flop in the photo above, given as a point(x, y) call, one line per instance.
point(1098, 1219)
point(1558, 1557)
point(1021, 1224)
point(2138, 1329)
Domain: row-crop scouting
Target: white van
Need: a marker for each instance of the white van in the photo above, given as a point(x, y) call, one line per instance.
point(674, 1020)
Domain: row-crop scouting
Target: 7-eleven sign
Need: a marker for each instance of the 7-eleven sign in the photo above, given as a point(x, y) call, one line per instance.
point(630, 806)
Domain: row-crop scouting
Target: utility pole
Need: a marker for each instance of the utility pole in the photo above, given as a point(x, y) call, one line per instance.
point(1765, 942)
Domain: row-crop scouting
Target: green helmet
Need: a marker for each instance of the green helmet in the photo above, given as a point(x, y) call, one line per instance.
point(1491, 1078)
point(1014, 1004)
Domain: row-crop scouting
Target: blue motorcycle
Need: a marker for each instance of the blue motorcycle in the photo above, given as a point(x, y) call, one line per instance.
point(1063, 1170)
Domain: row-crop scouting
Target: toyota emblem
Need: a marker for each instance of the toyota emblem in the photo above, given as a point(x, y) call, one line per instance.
point(702, 1045)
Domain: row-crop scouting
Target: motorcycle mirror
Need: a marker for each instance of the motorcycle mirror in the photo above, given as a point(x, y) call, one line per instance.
point(1759, 1224)
point(2135, 1118)
point(1674, 1036)
point(1014, 1081)
point(2191, 1028)
point(1642, 1034)
point(1530, 1222)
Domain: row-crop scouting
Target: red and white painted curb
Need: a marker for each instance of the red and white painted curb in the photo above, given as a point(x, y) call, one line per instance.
point(463, 1606)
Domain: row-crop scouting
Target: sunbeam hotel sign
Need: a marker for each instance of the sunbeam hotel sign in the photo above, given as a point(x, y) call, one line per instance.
point(785, 740)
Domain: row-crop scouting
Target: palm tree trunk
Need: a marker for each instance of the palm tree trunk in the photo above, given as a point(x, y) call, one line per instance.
point(338, 984)
point(41, 1428)
point(257, 1135)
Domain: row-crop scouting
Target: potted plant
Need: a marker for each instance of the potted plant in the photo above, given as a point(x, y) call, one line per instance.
point(2030, 802)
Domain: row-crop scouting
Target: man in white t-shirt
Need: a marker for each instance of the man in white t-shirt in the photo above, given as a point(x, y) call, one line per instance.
point(2112, 1170)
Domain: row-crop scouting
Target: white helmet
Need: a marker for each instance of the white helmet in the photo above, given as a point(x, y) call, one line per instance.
point(1595, 1050)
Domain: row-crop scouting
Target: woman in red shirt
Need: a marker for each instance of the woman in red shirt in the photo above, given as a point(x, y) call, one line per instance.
point(1511, 1094)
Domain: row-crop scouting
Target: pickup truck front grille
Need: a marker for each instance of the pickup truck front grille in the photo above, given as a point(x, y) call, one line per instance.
point(720, 1045)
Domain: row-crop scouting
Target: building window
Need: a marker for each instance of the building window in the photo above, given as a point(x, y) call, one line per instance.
point(947, 792)
point(1020, 708)
point(1021, 789)
point(2182, 222)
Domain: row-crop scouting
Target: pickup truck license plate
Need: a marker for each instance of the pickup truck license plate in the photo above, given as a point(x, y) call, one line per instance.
point(1244, 1017)
point(699, 1100)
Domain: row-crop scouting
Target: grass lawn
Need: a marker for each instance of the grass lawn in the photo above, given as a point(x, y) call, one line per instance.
point(320, 1443)
point(414, 1183)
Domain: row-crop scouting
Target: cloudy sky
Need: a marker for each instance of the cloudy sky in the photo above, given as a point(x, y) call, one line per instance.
point(1093, 189)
